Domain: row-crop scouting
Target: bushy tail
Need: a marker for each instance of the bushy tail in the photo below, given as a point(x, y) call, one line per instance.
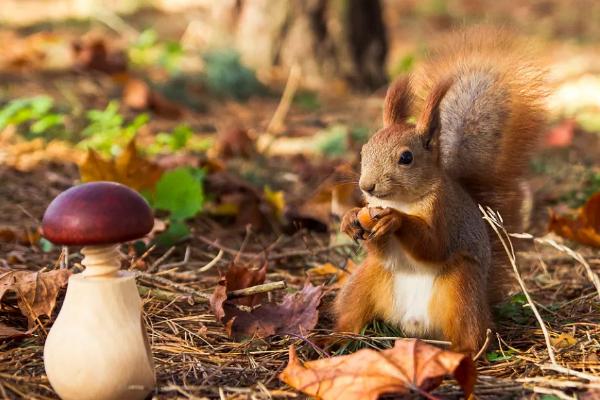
point(492, 118)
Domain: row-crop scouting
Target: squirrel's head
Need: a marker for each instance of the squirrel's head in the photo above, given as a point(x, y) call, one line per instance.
point(400, 163)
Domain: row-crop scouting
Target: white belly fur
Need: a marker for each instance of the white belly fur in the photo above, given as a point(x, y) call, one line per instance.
point(412, 284)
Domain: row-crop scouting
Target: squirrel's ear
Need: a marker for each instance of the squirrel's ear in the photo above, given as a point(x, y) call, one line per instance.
point(398, 99)
point(429, 124)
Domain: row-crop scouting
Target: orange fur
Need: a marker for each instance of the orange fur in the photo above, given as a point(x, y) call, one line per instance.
point(479, 97)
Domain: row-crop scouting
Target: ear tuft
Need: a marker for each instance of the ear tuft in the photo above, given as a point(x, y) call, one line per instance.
point(428, 124)
point(398, 101)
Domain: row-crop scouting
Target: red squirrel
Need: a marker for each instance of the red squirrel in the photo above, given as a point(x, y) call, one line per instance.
point(432, 268)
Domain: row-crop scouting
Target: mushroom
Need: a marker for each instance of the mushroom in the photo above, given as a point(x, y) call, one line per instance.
point(97, 347)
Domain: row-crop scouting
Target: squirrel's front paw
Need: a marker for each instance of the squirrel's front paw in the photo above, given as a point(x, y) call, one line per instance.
point(388, 221)
point(351, 226)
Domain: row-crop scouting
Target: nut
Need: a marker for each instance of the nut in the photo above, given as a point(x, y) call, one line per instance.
point(366, 217)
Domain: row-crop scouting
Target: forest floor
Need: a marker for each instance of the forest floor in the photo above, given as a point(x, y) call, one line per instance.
point(255, 200)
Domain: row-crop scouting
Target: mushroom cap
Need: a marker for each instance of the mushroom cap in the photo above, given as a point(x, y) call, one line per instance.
point(97, 213)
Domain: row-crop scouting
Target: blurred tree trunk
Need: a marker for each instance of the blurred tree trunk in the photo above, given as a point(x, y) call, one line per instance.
point(329, 39)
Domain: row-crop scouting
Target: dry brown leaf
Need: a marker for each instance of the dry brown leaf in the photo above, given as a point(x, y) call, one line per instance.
point(296, 314)
point(129, 168)
point(36, 291)
point(138, 95)
point(25, 155)
point(585, 228)
point(94, 54)
point(8, 332)
point(410, 365)
point(233, 142)
point(237, 277)
point(21, 235)
point(341, 274)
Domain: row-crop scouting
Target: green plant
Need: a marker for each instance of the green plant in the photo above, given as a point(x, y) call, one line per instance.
point(180, 192)
point(577, 198)
point(147, 50)
point(35, 115)
point(226, 76)
point(333, 141)
point(515, 309)
point(107, 131)
point(307, 100)
point(497, 355)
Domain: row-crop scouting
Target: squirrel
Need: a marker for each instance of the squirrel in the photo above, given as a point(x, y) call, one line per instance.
point(433, 267)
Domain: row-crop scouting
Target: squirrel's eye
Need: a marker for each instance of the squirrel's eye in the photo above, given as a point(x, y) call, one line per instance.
point(405, 158)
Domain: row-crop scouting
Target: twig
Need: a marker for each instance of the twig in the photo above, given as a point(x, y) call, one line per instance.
point(186, 259)
point(178, 286)
point(203, 297)
point(495, 221)
point(488, 338)
point(213, 262)
point(283, 107)
point(249, 291)
point(569, 371)
point(162, 258)
point(570, 252)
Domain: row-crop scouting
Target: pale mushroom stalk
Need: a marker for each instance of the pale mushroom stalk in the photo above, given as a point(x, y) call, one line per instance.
point(98, 347)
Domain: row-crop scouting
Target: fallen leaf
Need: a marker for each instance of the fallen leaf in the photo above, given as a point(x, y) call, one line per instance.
point(25, 155)
point(233, 142)
point(93, 54)
point(138, 95)
point(563, 340)
point(296, 314)
point(13, 234)
point(8, 332)
point(240, 277)
point(237, 277)
point(276, 199)
point(585, 228)
point(129, 168)
point(36, 291)
point(341, 274)
point(561, 135)
point(410, 365)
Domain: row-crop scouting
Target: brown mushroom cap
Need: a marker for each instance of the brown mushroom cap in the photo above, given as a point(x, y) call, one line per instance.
point(97, 213)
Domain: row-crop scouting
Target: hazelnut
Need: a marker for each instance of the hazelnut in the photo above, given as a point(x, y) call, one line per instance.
point(366, 217)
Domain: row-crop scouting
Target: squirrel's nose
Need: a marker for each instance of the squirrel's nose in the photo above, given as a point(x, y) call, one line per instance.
point(367, 187)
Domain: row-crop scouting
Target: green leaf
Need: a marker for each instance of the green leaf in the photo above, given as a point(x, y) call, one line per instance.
point(46, 122)
point(333, 141)
point(180, 192)
point(497, 355)
point(176, 231)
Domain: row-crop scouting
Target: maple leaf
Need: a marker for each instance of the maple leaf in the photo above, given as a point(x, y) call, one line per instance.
point(410, 365)
point(129, 168)
point(585, 228)
point(36, 291)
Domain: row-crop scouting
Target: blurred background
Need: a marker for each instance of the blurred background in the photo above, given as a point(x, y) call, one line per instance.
point(248, 86)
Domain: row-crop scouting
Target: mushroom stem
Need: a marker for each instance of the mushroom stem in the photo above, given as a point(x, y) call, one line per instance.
point(101, 261)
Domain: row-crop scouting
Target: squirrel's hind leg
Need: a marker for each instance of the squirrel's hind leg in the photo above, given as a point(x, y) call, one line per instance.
point(356, 302)
point(460, 305)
